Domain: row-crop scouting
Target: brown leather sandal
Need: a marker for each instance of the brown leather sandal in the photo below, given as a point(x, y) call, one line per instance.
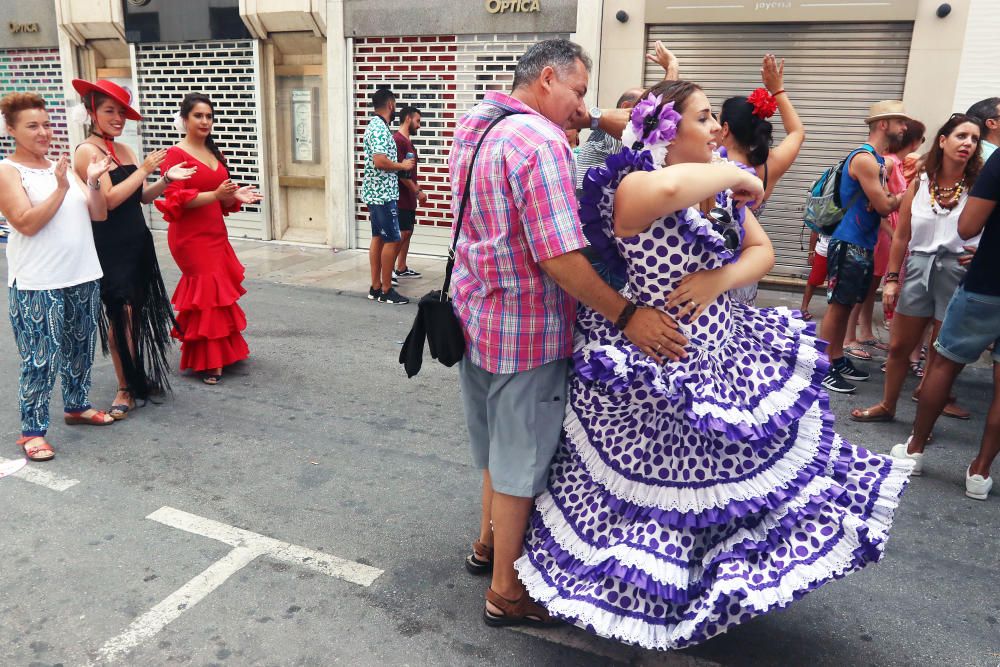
point(522, 611)
point(480, 561)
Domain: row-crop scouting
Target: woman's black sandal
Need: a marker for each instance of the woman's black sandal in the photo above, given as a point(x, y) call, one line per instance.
point(119, 411)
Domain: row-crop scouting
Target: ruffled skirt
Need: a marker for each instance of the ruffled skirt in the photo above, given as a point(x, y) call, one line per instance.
point(209, 319)
point(687, 498)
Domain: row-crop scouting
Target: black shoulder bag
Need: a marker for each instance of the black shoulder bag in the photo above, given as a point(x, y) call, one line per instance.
point(436, 320)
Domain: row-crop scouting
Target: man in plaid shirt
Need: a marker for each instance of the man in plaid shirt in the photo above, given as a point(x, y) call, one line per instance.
point(517, 278)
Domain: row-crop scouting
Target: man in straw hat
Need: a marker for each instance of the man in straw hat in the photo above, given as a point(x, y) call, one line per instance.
point(851, 254)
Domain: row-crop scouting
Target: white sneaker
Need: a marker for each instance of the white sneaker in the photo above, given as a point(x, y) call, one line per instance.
point(899, 452)
point(976, 486)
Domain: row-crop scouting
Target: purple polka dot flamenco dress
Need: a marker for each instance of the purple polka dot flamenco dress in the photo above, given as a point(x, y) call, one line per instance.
point(690, 497)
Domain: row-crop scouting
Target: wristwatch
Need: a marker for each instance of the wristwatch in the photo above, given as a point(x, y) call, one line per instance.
point(595, 117)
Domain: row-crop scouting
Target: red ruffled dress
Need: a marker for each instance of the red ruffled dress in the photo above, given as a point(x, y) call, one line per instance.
point(209, 320)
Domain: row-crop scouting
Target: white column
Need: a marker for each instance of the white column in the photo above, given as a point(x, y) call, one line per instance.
point(339, 189)
point(589, 15)
point(978, 76)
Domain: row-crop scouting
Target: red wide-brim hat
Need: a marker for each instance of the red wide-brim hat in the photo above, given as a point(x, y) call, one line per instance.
point(112, 90)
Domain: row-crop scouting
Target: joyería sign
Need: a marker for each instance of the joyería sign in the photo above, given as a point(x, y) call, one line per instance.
point(512, 6)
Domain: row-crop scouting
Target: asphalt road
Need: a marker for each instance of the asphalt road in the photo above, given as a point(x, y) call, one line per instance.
point(319, 440)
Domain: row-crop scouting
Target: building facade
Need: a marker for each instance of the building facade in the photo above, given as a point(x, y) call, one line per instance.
point(292, 77)
point(30, 61)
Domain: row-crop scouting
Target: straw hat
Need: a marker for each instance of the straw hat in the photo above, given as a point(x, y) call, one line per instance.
point(885, 110)
point(112, 90)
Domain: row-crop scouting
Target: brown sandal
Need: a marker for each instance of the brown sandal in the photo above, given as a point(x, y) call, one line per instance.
point(31, 452)
point(522, 611)
point(876, 413)
point(480, 561)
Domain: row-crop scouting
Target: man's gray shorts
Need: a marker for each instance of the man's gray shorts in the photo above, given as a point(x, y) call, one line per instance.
point(514, 423)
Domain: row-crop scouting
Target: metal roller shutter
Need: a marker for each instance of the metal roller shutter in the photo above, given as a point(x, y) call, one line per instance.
point(833, 73)
point(444, 76)
point(226, 71)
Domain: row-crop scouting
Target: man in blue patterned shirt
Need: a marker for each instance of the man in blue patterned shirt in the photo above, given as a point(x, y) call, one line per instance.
point(379, 191)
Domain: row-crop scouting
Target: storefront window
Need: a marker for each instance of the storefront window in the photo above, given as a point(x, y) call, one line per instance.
point(182, 20)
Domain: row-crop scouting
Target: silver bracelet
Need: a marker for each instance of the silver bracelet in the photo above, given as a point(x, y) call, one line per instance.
point(166, 179)
point(94, 187)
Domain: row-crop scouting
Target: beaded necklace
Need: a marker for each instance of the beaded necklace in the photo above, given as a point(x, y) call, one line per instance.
point(945, 198)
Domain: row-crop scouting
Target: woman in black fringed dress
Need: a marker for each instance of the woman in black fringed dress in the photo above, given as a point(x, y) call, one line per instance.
point(135, 328)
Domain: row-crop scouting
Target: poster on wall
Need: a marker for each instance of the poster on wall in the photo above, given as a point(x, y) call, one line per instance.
point(305, 135)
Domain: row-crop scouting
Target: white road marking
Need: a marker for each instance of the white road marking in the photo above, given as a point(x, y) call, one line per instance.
point(176, 604)
point(247, 546)
point(355, 573)
point(35, 475)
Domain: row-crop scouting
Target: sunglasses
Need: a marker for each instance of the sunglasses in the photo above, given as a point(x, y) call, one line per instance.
point(723, 223)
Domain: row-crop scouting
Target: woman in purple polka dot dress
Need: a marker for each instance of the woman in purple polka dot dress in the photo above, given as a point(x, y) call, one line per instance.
point(688, 497)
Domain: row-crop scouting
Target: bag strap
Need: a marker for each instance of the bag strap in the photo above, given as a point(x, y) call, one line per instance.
point(464, 203)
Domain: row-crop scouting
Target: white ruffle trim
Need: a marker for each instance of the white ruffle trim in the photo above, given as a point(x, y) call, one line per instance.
point(778, 476)
point(838, 562)
point(658, 569)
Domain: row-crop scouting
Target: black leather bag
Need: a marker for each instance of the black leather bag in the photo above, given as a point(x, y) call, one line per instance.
point(436, 320)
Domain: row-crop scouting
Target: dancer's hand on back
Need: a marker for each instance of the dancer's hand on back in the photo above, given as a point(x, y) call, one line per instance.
point(655, 333)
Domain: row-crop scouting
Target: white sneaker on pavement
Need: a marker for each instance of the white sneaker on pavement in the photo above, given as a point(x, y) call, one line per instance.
point(899, 452)
point(976, 486)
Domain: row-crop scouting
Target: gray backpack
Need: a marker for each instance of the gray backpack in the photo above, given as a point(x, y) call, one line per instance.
point(824, 210)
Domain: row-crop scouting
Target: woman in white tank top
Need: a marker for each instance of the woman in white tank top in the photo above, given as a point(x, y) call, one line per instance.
point(928, 228)
point(53, 272)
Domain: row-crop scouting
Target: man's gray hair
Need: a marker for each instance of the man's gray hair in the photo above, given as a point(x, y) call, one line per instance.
point(559, 54)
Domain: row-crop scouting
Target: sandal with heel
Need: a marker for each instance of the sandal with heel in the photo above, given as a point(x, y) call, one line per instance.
point(120, 411)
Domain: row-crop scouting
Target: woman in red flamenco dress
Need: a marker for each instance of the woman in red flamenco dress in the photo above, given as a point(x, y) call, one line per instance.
point(209, 321)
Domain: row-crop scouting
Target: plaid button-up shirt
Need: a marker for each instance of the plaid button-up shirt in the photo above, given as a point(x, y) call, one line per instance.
point(522, 211)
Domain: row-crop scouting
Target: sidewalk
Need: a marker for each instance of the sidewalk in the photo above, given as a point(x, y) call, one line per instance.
point(347, 271)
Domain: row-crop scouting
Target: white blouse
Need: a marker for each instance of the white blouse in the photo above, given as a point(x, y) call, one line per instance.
point(930, 231)
point(62, 253)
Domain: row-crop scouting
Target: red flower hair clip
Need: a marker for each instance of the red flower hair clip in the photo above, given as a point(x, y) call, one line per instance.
point(764, 104)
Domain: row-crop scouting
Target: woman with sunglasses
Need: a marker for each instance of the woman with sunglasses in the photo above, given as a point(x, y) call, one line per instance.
point(938, 257)
point(688, 497)
point(135, 328)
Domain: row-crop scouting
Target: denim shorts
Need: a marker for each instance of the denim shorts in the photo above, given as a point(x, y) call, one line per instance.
point(515, 420)
point(971, 323)
point(849, 272)
point(385, 221)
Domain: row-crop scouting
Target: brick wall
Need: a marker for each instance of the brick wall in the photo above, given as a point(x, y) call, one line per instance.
point(36, 71)
point(444, 76)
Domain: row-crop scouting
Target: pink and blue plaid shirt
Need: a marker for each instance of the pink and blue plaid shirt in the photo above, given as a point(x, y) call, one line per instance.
point(522, 211)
